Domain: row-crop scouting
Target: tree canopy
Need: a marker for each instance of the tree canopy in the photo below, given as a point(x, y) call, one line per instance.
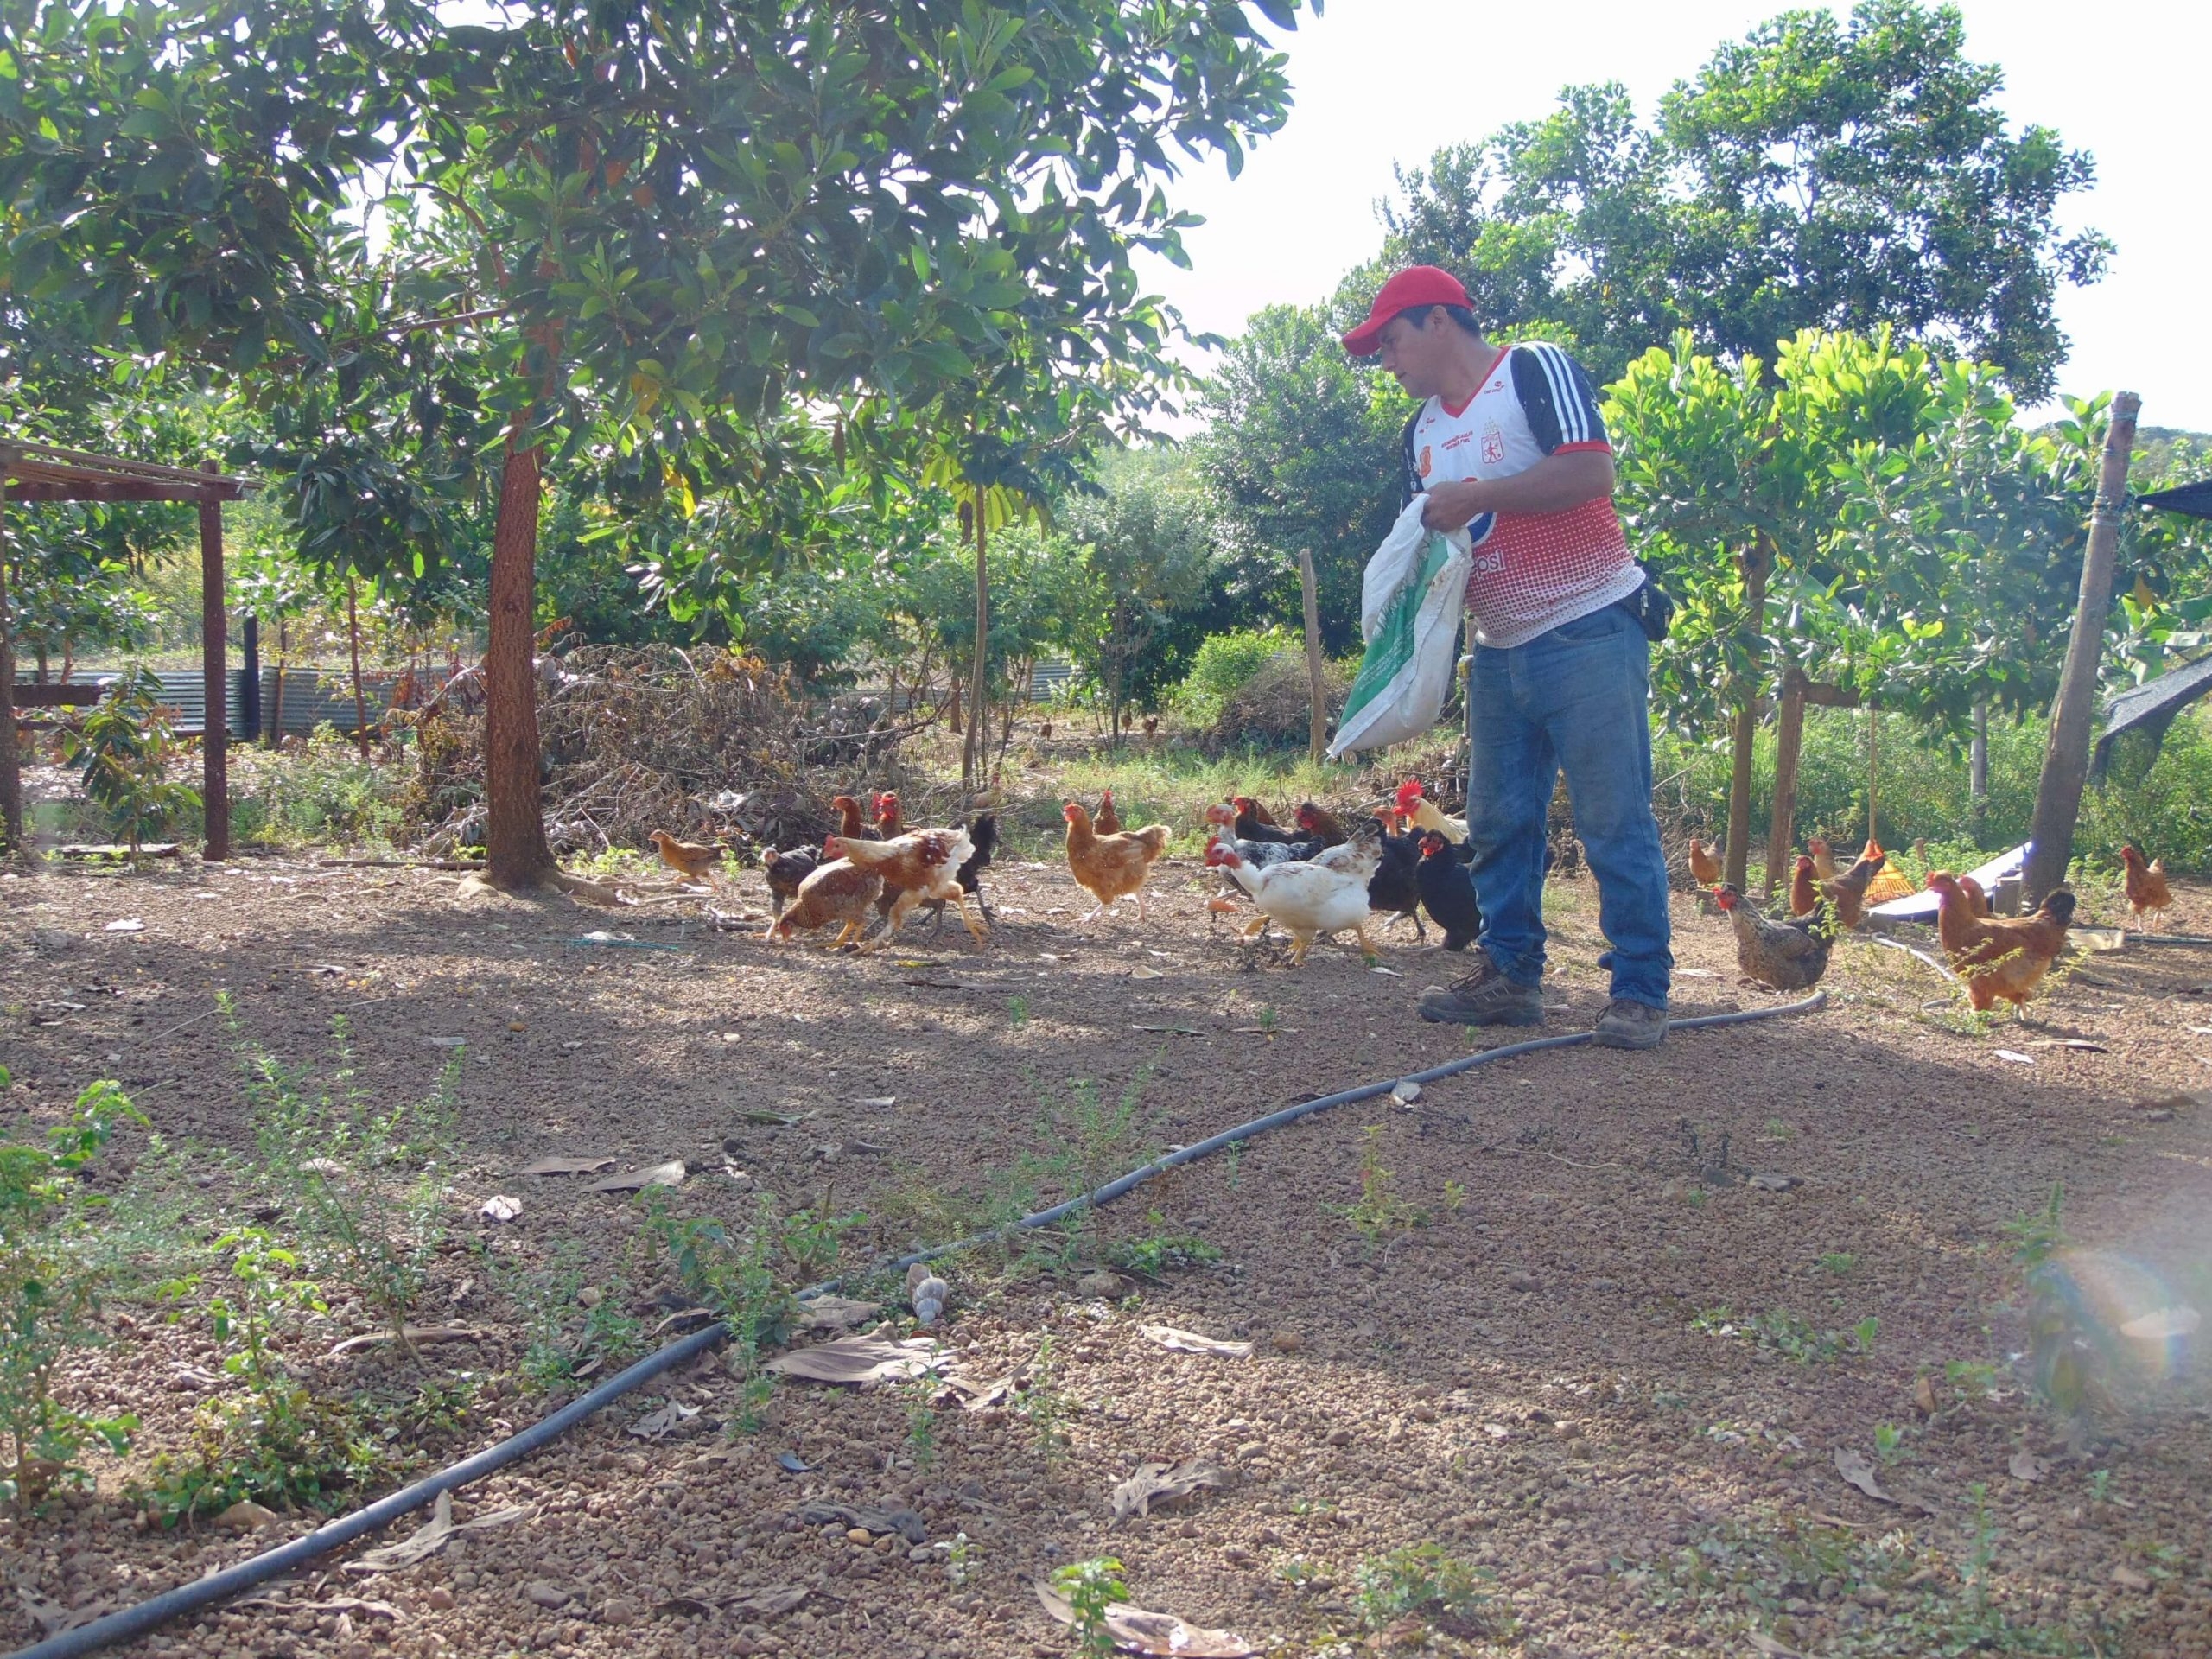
point(1820, 173)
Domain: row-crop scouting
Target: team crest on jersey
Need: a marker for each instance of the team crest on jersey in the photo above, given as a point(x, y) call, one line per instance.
point(1493, 445)
point(1426, 457)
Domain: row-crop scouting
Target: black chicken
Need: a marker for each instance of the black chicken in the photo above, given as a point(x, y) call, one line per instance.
point(1447, 888)
point(1395, 889)
point(984, 834)
point(786, 871)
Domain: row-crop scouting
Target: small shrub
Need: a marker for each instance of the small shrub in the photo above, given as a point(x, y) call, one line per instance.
point(366, 1180)
point(1224, 665)
point(1093, 1590)
point(1423, 1580)
point(1381, 1216)
point(122, 752)
point(50, 1284)
point(324, 792)
point(564, 1332)
point(1044, 1406)
point(281, 1444)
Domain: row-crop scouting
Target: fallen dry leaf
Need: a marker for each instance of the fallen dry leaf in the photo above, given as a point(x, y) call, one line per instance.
point(416, 1334)
point(430, 1537)
point(2025, 1465)
point(862, 1360)
point(2014, 1055)
point(1771, 1647)
point(1189, 1342)
point(658, 1425)
point(1853, 1467)
point(1923, 1395)
point(836, 1313)
point(670, 1173)
point(1163, 1482)
point(500, 1207)
point(1146, 973)
point(566, 1166)
point(1136, 1630)
point(2128, 1579)
point(1405, 1091)
point(52, 1618)
point(973, 1392)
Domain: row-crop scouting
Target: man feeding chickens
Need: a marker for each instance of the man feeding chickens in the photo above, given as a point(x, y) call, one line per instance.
point(1509, 444)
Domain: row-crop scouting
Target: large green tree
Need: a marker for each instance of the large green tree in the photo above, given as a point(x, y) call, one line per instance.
point(1301, 451)
point(1821, 173)
point(671, 224)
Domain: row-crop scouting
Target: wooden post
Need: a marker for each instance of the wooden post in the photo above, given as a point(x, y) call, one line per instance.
point(276, 722)
point(2066, 756)
point(1316, 742)
point(1757, 562)
point(353, 640)
point(214, 740)
point(1873, 772)
point(1978, 757)
point(979, 700)
point(11, 776)
point(250, 677)
point(1789, 744)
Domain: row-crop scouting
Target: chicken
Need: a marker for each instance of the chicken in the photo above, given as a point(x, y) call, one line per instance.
point(1312, 821)
point(850, 824)
point(1804, 894)
point(1111, 868)
point(983, 835)
point(1152, 725)
point(1412, 804)
point(919, 866)
point(1255, 822)
point(1395, 889)
point(1221, 821)
point(691, 860)
point(1789, 956)
point(840, 892)
point(1705, 867)
point(1823, 858)
point(1996, 956)
point(785, 871)
point(1448, 891)
point(889, 822)
point(1977, 897)
point(2147, 893)
point(1106, 821)
point(1848, 893)
point(1307, 898)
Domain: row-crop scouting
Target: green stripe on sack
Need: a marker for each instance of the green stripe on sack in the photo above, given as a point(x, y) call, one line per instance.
point(1392, 647)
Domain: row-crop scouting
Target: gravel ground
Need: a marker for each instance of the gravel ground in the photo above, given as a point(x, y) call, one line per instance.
point(1525, 1381)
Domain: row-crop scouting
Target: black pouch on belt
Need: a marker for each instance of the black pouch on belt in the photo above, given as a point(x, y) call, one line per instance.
point(1650, 604)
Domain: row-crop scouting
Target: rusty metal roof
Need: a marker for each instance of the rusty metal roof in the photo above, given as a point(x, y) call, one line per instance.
point(45, 472)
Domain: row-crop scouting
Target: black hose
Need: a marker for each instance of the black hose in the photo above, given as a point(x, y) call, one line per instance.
point(191, 1598)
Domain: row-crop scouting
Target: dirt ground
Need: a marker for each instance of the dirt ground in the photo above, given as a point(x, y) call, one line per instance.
point(1575, 1377)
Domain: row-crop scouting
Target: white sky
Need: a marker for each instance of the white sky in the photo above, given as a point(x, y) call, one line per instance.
point(1379, 81)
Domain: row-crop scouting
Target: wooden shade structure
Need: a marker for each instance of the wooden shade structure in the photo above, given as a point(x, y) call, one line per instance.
point(44, 473)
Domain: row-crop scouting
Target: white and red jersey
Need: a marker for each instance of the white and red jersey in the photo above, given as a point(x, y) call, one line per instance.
point(1533, 570)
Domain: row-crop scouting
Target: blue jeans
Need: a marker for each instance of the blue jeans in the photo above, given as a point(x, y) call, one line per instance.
point(1576, 699)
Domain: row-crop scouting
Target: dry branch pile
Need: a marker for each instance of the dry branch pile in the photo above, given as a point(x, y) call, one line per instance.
point(637, 740)
point(1273, 709)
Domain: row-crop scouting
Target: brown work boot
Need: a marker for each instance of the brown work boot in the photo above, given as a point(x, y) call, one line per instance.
point(1630, 1025)
point(1485, 997)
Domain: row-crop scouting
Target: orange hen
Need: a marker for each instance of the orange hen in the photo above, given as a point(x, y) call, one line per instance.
point(690, 859)
point(1705, 866)
point(2000, 956)
point(840, 892)
point(2147, 893)
point(1111, 868)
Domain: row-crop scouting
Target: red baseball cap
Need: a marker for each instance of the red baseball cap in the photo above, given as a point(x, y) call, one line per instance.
point(1416, 285)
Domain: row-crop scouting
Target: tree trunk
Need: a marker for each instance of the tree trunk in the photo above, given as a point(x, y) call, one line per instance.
point(215, 777)
point(1756, 562)
point(2066, 756)
point(1873, 772)
point(354, 642)
point(1789, 745)
point(953, 717)
point(517, 853)
point(11, 779)
point(1316, 733)
point(1978, 758)
point(276, 694)
point(975, 756)
point(38, 677)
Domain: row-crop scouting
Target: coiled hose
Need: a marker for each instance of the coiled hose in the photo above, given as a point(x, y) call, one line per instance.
point(220, 1587)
